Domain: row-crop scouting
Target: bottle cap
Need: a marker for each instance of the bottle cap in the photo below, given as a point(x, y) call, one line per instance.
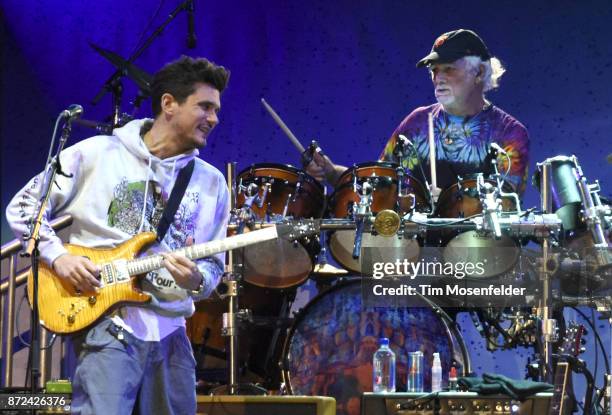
point(436, 359)
point(383, 341)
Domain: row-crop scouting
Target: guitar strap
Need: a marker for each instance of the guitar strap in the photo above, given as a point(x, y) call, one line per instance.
point(174, 200)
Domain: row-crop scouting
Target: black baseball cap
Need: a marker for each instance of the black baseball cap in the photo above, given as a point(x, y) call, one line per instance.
point(455, 45)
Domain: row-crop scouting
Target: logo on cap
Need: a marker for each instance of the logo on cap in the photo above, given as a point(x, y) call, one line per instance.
point(439, 41)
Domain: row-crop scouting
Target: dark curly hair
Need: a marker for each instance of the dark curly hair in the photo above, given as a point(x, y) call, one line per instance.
point(180, 77)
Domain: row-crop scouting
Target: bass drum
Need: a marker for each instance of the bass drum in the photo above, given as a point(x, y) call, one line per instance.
point(382, 176)
point(283, 191)
point(330, 347)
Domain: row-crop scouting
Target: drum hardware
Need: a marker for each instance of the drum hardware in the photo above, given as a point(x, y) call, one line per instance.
point(230, 290)
point(500, 179)
point(400, 152)
point(491, 206)
point(361, 213)
point(596, 216)
point(270, 193)
point(382, 184)
point(521, 332)
point(564, 193)
point(547, 327)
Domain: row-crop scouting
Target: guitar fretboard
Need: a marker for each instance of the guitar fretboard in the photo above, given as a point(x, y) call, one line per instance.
point(153, 262)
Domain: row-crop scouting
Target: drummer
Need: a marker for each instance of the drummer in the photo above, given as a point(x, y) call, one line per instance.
point(465, 122)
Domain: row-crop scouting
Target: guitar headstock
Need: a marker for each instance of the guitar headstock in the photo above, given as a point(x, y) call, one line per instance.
point(294, 230)
point(572, 342)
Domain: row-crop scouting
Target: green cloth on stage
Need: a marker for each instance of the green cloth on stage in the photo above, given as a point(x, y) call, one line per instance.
point(491, 384)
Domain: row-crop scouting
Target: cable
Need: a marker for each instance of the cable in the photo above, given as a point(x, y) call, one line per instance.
point(20, 335)
point(53, 140)
point(142, 34)
point(508, 169)
point(453, 222)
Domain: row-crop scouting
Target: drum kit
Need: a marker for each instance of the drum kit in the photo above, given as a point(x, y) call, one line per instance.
point(326, 349)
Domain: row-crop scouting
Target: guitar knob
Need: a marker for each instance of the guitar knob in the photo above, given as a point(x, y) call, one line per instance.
point(92, 300)
point(70, 318)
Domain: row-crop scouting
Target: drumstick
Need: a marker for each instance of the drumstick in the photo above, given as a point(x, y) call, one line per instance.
point(283, 126)
point(432, 152)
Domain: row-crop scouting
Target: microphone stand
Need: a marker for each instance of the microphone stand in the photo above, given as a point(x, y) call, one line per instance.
point(52, 169)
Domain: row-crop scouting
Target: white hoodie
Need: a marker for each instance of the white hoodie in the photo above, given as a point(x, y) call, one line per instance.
point(111, 176)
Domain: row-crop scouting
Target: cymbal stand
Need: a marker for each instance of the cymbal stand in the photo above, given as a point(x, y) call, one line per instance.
point(110, 84)
point(547, 329)
point(231, 319)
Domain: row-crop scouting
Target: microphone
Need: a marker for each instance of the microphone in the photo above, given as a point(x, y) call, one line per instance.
point(191, 37)
point(498, 148)
point(405, 141)
point(401, 146)
point(72, 112)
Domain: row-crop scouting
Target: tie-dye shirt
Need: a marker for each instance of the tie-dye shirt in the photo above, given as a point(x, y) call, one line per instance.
point(462, 144)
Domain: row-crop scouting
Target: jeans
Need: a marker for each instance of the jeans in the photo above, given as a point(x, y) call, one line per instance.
point(119, 374)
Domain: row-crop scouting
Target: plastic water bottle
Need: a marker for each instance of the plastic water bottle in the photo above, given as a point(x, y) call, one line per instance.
point(383, 368)
point(436, 373)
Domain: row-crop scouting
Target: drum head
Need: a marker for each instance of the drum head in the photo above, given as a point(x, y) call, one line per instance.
point(341, 246)
point(275, 264)
point(497, 255)
point(283, 191)
point(330, 347)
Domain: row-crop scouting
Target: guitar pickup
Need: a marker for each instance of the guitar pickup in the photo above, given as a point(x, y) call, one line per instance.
point(106, 274)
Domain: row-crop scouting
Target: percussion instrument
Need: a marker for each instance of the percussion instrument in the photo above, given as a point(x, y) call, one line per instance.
point(386, 194)
point(566, 201)
point(461, 200)
point(259, 349)
point(329, 348)
point(270, 192)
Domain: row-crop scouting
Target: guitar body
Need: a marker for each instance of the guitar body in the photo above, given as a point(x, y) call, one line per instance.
point(62, 310)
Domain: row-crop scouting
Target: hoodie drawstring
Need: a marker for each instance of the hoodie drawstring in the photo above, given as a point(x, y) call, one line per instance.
point(144, 200)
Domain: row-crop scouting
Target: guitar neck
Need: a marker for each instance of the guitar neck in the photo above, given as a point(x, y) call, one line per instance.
point(559, 404)
point(154, 262)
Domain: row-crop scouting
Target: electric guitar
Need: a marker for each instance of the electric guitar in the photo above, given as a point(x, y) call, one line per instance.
point(64, 310)
point(562, 402)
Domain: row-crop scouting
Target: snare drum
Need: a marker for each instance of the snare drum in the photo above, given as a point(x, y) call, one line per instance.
point(283, 191)
point(382, 176)
point(329, 348)
point(461, 200)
